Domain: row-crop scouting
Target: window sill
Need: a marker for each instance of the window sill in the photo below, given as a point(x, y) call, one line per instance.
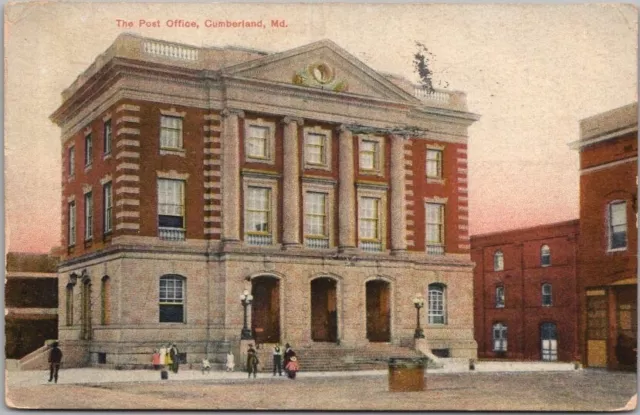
point(107, 156)
point(180, 152)
point(87, 167)
point(259, 160)
point(71, 178)
point(435, 180)
point(316, 166)
point(371, 172)
point(616, 249)
point(545, 265)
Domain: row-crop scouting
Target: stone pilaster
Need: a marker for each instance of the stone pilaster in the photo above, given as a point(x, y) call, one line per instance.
point(231, 175)
point(398, 214)
point(346, 192)
point(291, 184)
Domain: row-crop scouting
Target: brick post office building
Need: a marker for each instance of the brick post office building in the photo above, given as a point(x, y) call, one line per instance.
point(525, 293)
point(608, 283)
point(331, 192)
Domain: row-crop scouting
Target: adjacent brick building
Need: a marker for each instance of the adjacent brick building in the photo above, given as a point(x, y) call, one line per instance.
point(608, 244)
point(525, 304)
point(331, 192)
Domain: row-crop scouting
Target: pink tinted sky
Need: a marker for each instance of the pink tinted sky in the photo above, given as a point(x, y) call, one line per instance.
point(532, 72)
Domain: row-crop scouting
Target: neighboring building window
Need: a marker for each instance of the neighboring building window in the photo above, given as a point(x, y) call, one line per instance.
point(500, 297)
point(171, 209)
point(107, 137)
point(88, 216)
point(546, 295)
point(172, 299)
point(369, 224)
point(498, 261)
point(170, 132)
point(69, 305)
point(88, 150)
point(545, 256)
point(315, 220)
point(72, 223)
point(435, 228)
point(107, 208)
point(369, 155)
point(257, 216)
point(72, 161)
point(436, 304)
point(105, 299)
point(258, 142)
point(434, 164)
point(315, 149)
point(617, 225)
point(499, 337)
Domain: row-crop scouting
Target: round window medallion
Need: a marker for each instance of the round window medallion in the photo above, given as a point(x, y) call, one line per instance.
point(322, 73)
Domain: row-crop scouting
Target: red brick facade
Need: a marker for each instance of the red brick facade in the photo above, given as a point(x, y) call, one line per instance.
point(522, 279)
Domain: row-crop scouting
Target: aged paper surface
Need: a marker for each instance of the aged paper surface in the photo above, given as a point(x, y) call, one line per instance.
point(529, 72)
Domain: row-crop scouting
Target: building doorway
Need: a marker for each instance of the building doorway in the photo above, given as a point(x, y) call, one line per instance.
point(324, 315)
point(265, 309)
point(626, 326)
point(549, 341)
point(597, 327)
point(378, 311)
point(85, 311)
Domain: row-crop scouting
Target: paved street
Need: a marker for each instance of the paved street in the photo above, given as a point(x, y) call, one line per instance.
point(583, 390)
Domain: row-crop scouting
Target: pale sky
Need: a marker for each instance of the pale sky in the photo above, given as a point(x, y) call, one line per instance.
point(531, 72)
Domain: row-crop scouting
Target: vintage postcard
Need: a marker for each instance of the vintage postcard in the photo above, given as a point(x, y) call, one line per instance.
point(321, 206)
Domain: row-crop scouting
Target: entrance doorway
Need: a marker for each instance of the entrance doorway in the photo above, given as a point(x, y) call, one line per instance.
point(378, 311)
point(324, 315)
point(265, 309)
point(549, 340)
point(627, 326)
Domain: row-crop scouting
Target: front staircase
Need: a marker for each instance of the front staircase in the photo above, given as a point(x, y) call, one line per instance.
point(330, 357)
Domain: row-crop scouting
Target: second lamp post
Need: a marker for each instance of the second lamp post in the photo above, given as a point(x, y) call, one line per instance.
point(418, 302)
point(245, 298)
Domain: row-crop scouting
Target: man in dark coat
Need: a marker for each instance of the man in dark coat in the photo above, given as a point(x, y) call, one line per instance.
point(277, 360)
point(55, 357)
point(252, 361)
point(175, 359)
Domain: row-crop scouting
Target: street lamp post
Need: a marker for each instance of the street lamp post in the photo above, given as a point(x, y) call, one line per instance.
point(418, 302)
point(245, 299)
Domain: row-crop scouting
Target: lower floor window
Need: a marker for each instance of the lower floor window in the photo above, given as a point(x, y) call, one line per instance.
point(499, 337)
point(171, 299)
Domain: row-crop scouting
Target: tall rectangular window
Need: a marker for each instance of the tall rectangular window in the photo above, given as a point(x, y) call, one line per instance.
point(435, 228)
point(88, 150)
point(171, 299)
point(315, 220)
point(617, 225)
point(170, 132)
point(434, 164)
point(171, 209)
point(499, 337)
point(88, 216)
point(107, 137)
point(257, 216)
point(72, 161)
point(370, 232)
point(258, 142)
point(369, 155)
point(316, 148)
point(107, 207)
point(436, 304)
point(72, 223)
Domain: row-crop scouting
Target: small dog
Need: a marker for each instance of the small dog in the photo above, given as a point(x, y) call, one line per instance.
point(206, 366)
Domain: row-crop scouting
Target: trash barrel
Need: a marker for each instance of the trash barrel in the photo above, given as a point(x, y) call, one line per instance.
point(407, 374)
point(164, 375)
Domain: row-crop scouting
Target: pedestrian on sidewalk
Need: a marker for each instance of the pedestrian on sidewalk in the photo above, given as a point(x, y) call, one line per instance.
point(231, 361)
point(277, 360)
point(252, 361)
point(155, 359)
point(288, 353)
point(55, 358)
point(175, 359)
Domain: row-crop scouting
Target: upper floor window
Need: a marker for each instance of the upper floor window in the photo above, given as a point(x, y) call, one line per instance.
point(500, 297)
point(436, 304)
point(617, 221)
point(498, 261)
point(546, 295)
point(171, 299)
point(258, 142)
point(369, 155)
point(88, 150)
point(170, 132)
point(499, 337)
point(88, 216)
point(107, 137)
point(434, 164)
point(72, 161)
point(107, 208)
point(315, 220)
point(545, 256)
point(369, 223)
point(315, 149)
point(72, 223)
point(257, 216)
point(435, 228)
point(171, 209)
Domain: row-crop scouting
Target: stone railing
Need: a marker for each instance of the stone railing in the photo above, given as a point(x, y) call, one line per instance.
point(441, 98)
point(435, 250)
point(370, 246)
point(258, 240)
point(171, 51)
point(171, 234)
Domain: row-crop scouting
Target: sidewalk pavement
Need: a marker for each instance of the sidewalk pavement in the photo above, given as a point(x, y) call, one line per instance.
point(98, 375)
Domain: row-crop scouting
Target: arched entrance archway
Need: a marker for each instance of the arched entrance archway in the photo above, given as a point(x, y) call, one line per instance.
point(324, 311)
point(265, 309)
point(378, 311)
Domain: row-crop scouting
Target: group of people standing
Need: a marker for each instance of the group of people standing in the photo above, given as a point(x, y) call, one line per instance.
point(166, 356)
point(291, 365)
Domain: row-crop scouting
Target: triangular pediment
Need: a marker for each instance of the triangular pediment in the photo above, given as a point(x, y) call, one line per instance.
point(322, 65)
